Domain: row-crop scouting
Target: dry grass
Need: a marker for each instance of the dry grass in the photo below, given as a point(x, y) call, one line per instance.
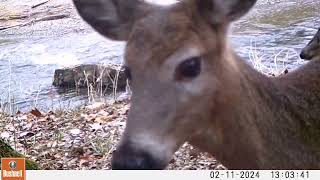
point(96, 91)
point(279, 64)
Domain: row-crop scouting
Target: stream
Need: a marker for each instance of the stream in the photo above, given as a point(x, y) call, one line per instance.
point(270, 37)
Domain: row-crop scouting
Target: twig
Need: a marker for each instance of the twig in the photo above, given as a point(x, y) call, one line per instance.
point(36, 98)
point(9, 85)
point(53, 17)
point(115, 88)
point(114, 81)
point(90, 88)
point(46, 18)
point(40, 4)
point(8, 27)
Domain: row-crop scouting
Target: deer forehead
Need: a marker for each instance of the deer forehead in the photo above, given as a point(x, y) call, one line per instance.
point(157, 34)
point(161, 36)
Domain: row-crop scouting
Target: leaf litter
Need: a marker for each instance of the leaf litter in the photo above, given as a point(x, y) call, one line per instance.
point(83, 139)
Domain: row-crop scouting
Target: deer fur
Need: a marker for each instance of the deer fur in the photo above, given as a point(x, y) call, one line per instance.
point(312, 50)
point(244, 118)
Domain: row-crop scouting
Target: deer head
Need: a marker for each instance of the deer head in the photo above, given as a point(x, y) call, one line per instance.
point(312, 50)
point(181, 68)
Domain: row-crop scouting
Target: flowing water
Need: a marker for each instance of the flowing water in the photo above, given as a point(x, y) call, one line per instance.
point(270, 37)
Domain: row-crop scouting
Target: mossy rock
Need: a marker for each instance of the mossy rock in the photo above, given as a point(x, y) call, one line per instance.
point(6, 152)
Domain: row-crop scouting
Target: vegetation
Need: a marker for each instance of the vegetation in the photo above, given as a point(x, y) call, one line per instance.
point(6, 152)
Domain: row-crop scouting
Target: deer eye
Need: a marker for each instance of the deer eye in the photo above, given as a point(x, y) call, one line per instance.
point(127, 72)
point(189, 68)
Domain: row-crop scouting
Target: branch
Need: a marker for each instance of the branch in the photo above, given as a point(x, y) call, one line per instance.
point(40, 4)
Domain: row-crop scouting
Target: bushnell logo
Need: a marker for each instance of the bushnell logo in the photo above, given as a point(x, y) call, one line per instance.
point(13, 169)
point(13, 165)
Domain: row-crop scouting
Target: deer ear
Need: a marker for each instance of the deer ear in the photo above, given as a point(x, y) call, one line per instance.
point(112, 18)
point(221, 11)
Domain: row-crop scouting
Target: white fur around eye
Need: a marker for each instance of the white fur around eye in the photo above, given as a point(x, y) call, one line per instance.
point(169, 67)
point(162, 2)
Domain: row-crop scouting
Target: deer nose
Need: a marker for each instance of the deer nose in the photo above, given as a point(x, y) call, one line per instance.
point(304, 56)
point(126, 158)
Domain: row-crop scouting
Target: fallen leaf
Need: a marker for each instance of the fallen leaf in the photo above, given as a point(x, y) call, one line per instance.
point(36, 112)
point(5, 135)
point(75, 132)
point(26, 135)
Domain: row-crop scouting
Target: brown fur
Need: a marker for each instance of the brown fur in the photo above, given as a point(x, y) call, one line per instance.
point(245, 119)
point(312, 50)
point(273, 125)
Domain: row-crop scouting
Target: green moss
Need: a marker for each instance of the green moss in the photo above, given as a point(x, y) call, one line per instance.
point(6, 151)
point(30, 165)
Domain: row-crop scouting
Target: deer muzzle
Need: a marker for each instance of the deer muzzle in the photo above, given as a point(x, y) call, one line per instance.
point(126, 157)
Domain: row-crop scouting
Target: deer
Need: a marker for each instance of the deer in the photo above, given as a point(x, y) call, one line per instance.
point(312, 50)
point(189, 85)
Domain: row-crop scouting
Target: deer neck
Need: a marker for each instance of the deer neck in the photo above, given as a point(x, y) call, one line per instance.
point(262, 123)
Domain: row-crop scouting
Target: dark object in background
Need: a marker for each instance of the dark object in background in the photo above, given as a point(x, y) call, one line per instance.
point(82, 75)
point(312, 50)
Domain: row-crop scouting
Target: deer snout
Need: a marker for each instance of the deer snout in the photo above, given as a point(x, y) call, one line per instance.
point(305, 56)
point(127, 158)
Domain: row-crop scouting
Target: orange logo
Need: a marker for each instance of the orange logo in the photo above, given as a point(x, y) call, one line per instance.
point(13, 169)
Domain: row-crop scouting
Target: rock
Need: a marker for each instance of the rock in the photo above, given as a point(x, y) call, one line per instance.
point(96, 75)
point(96, 106)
